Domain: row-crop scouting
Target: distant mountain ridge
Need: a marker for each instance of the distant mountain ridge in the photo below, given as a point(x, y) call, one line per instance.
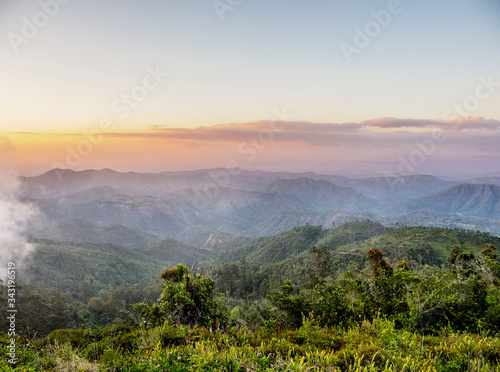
point(189, 204)
point(407, 186)
point(482, 200)
point(321, 195)
point(492, 180)
point(62, 182)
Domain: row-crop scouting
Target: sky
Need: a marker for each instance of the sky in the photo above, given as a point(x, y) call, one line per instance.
point(330, 86)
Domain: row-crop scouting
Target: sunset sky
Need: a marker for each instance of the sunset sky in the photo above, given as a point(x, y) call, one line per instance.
point(158, 85)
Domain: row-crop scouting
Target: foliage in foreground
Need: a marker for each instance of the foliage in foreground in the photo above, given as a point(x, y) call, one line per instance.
point(393, 320)
point(370, 346)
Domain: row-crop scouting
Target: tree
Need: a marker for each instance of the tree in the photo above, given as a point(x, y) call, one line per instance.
point(469, 277)
point(492, 315)
point(245, 282)
point(489, 252)
point(388, 286)
point(104, 308)
point(293, 308)
point(322, 263)
point(379, 266)
point(460, 261)
point(186, 299)
point(86, 288)
point(330, 306)
point(403, 266)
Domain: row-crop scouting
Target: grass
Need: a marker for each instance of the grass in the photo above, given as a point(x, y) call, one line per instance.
point(375, 346)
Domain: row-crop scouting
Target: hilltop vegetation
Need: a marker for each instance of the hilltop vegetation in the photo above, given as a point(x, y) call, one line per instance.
point(371, 346)
point(243, 267)
point(78, 231)
point(389, 319)
point(256, 268)
point(98, 280)
point(89, 283)
point(65, 266)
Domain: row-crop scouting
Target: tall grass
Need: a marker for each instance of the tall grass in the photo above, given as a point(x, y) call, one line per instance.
point(370, 347)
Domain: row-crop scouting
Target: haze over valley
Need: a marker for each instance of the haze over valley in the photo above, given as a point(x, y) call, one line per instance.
point(231, 185)
point(181, 205)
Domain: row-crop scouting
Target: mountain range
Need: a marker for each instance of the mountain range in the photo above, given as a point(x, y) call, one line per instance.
point(481, 200)
point(242, 203)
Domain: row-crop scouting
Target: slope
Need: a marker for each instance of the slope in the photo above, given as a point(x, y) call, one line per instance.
point(78, 231)
point(481, 200)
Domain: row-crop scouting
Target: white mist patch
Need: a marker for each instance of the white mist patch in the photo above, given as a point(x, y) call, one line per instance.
point(15, 217)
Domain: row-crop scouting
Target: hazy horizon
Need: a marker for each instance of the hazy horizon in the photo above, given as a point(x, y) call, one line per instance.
point(367, 87)
point(354, 173)
point(387, 145)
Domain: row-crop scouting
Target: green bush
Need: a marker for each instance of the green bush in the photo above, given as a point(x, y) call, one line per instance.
point(186, 299)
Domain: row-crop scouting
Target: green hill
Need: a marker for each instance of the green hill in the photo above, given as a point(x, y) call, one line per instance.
point(174, 251)
point(64, 266)
point(251, 268)
point(78, 231)
point(423, 245)
point(270, 261)
point(288, 244)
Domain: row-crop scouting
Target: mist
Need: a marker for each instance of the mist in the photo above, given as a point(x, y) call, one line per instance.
point(15, 217)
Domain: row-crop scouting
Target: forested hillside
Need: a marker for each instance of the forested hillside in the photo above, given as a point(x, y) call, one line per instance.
point(426, 300)
point(267, 262)
point(246, 269)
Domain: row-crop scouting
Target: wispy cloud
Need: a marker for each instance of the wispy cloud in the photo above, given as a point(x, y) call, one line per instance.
point(319, 146)
point(382, 131)
point(377, 132)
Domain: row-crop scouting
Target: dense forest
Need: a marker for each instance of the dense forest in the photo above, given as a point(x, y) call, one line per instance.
point(357, 297)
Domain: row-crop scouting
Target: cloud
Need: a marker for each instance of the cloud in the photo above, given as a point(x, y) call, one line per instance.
point(455, 124)
point(376, 132)
point(268, 145)
point(399, 123)
point(15, 216)
point(392, 134)
point(475, 124)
